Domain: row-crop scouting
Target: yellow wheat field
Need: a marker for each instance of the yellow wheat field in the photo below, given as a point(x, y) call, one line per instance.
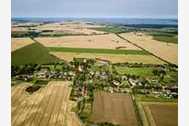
point(108, 41)
point(17, 43)
point(167, 51)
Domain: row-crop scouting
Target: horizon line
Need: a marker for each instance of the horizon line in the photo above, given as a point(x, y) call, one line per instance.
point(100, 17)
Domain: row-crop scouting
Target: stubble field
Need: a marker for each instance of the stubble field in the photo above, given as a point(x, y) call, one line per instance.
point(166, 51)
point(49, 106)
point(71, 28)
point(115, 108)
point(17, 43)
point(161, 114)
point(108, 41)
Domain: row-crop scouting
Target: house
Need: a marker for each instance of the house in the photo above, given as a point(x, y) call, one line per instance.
point(116, 83)
point(43, 73)
point(132, 82)
point(25, 77)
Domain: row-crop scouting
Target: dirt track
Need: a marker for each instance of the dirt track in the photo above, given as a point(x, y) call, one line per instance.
point(49, 106)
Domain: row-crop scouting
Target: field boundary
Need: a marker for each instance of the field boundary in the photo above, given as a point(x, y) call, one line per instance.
point(97, 50)
point(145, 50)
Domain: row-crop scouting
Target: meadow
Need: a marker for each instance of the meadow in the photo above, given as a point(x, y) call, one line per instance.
point(97, 50)
point(32, 54)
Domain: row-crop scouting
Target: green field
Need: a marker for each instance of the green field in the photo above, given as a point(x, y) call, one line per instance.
point(148, 98)
point(169, 78)
point(32, 54)
point(110, 29)
point(141, 71)
point(165, 37)
point(93, 50)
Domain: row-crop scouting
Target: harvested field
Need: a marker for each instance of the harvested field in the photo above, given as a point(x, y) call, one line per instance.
point(71, 28)
point(108, 41)
point(49, 106)
point(115, 58)
point(114, 108)
point(19, 29)
point(161, 114)
point(17, 43)
point(166, 51)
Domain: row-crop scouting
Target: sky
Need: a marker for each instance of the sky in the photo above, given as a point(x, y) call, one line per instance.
point(95, 8)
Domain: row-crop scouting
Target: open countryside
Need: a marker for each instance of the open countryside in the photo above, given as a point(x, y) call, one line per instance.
point(92, 73)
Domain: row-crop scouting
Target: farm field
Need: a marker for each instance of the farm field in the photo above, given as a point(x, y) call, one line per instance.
point(17, 43)
point(49, 105)
point(34, 53)
point(114, 58)
point(18, 29)
point(170, 37)
point(115, 108)
point(161, 114)
point(72, 28)
point(166, 51)
point(97, 50)
point(108, 41)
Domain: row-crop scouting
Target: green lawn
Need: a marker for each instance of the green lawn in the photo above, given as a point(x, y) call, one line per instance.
point(93, 50)
point(32, 54)
point(142, 71)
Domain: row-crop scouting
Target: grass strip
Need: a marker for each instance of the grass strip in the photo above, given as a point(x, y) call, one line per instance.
point(93, 50)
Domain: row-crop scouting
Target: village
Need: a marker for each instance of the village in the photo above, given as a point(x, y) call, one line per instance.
point(91, 75)
point(99, 74)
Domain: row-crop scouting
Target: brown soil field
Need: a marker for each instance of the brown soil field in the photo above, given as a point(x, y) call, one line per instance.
point(17, 43)
point(161, 114)
point(108, 41)
point(114, 58)
point(115, 108)
point(163, 50)
point(71, 28)
point(49, 106)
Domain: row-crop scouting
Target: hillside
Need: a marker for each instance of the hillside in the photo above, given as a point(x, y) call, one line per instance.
point(32, 54)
